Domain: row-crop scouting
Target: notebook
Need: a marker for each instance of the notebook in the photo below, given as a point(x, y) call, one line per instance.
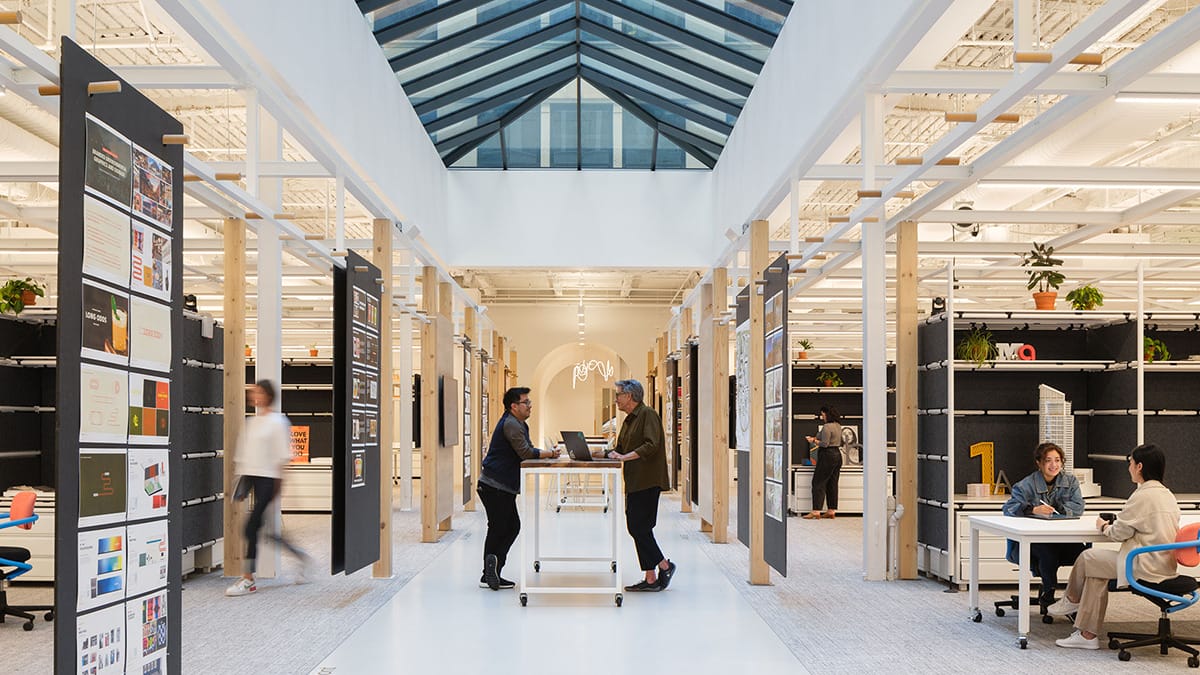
point(1054, 516)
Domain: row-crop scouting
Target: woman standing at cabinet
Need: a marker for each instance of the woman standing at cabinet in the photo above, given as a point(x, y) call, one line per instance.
point(829, 464)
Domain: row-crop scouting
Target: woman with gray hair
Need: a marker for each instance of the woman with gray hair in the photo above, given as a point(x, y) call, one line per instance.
point(641, 447)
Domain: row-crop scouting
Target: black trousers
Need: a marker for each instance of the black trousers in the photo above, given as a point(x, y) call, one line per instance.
point(504, 523)
point(1046, 558)
point(825, 478)
point(264, 490)
point(641, 515)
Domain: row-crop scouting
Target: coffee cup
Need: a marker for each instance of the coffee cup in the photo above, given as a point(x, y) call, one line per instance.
point(1110, 517)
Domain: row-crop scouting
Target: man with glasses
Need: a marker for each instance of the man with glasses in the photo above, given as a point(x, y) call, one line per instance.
point(500, 483)
point(641, 448)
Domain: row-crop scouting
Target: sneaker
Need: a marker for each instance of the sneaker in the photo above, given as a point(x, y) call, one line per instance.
point(504, 583)
point(1063, 607)
point(242, 586)
point(644, 586)
point(1077, 641)
point(664, 576)
point(491, 571)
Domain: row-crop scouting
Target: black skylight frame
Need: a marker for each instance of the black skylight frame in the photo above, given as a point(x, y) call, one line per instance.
point(721, 79)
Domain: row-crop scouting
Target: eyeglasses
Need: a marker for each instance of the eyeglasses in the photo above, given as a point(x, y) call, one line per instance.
point(525, 402)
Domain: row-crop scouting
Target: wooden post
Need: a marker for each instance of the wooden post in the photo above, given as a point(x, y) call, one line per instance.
point(445, 366)
point(234, 384)
point(471, 331)
point(382, 257)
point(496, 378)
point(760, 573)
point(689, 392)
point(705, 396)
point(429, 416)
point(512, 364)
point(720, 409)
point(906, 396)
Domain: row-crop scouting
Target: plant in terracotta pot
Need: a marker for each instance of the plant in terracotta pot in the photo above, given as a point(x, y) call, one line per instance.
point(249, 351)
point(804, 345)
point(1155, 350)
point(312, 350)
point(830, 378)
point(1043, 274)
point(1085, 298)
point(977, 346)
point(15, 294)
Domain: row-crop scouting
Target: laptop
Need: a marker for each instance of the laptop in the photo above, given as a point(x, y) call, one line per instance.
point(577, 446)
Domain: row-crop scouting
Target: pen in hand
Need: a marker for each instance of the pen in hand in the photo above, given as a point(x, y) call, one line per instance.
point(1044, 503)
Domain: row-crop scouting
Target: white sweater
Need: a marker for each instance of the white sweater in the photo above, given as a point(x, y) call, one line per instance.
point(1151, 516)
point(265, 446)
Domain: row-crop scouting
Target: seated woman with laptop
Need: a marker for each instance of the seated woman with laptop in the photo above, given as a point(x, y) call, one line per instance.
point(1048, 493)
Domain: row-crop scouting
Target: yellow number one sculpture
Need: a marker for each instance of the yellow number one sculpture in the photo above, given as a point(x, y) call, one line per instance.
point(986, 452)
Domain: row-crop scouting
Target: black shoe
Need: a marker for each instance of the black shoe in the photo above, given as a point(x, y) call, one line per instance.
point(491, 571)
point(504, 583)
point(644, 586)
point(664, 576)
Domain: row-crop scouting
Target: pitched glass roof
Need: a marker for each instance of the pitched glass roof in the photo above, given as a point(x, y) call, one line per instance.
point(577, 83)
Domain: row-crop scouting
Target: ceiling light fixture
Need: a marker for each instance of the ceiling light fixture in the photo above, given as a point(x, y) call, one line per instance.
point(1157, 97)
point(1086, 185)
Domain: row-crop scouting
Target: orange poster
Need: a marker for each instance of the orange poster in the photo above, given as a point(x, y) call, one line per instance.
point(299, 445)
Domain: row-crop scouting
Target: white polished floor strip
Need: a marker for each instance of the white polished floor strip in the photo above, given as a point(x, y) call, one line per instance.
point(441, 621)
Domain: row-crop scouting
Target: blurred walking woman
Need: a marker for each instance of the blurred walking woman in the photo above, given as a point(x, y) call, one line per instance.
point(829, 464)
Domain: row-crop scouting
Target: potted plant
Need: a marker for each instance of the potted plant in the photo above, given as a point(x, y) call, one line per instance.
point(312, 350)
point(1042, 275)
point(1155, 350)
point(977, 346)
point(830, 378)
point(805, 345)
point(1085, 298)
point(15, 294)
point(249, 351)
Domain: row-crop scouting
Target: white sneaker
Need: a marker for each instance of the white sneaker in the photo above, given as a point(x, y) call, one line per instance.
point(1077, 641)
point(1063, 607)
point(242, 586)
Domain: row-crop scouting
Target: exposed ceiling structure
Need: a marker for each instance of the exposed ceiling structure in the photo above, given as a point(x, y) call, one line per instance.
point(1097, 151)
point(474, 68)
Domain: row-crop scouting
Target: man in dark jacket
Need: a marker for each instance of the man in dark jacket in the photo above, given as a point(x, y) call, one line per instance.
point(500, 483)
point(641, 447)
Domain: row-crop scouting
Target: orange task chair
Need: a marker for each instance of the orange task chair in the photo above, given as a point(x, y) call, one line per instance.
point(13, 560)
point(1171, 595)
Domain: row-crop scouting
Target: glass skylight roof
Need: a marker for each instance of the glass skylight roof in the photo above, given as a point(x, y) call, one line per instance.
point(577, 83)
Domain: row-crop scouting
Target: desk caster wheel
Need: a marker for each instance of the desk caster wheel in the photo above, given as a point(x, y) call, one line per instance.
point(1046, 618)
point(49, 616)
point(524, 599)
point(1113, 643)
point(1023, 642)
point(558, 509)
point(619, 599)
point(614, 567)
point(1193, 662)
point(999, 611)
point(977, 617)
point(28, 625)
point(1123, 655)
point(537, 566)
point(606, 509)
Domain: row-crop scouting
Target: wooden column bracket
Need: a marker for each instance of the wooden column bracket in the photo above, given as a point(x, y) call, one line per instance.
point(191, 178)
point(1088, 59)
point(108, 87)
point(49, 90)
point(960, 117)
point(905, 194)
point(360, 268)
point(10, 18)
point(338, 254)
point(1033, 57)
point(313, 237)
point(172, 139)
point(228, 175)
point(870, 194)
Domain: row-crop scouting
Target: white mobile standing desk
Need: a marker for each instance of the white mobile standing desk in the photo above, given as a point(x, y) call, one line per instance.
point(1025, 531)
point(609, 471)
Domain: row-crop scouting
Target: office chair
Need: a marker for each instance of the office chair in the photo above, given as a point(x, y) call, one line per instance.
point(13, 560)
point(1170, 595)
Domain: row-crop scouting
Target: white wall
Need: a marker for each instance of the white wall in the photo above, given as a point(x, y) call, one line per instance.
point(566, 408)
point(550, 218)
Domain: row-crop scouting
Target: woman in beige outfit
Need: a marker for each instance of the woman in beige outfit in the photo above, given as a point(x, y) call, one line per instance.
point(1151, 516)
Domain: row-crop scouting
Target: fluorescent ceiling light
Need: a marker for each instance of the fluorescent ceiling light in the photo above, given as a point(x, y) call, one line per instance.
point(1157, 97)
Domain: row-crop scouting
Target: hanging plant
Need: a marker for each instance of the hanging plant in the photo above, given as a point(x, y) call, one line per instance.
point(977, 346)
point(1155, 350)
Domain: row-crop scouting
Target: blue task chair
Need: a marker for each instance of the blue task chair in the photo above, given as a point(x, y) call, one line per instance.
point(14, 560)
point(1170, 595)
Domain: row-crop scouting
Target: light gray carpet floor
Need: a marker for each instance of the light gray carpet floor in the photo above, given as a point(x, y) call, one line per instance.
point(823, 611)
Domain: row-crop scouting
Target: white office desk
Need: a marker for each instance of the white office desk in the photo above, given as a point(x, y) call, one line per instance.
point(1025, 531)
point(609, 471)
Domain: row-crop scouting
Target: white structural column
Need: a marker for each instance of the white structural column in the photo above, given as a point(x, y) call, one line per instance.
point(264, 140)
point(794, 214)
point(874, 436)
